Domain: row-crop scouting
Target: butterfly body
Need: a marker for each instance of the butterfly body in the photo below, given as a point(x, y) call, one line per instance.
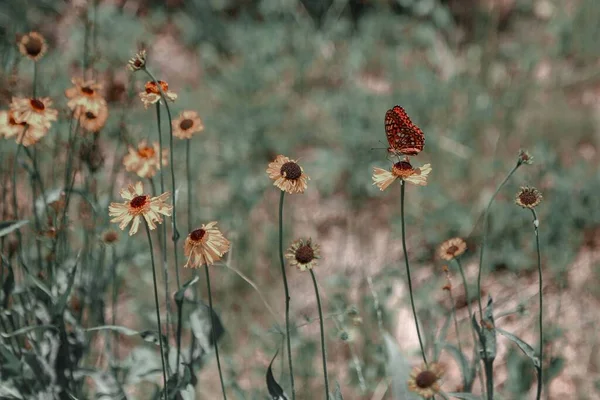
point(404, 137)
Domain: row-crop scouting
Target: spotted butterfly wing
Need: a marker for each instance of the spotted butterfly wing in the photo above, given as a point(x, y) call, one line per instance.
point(403, 136)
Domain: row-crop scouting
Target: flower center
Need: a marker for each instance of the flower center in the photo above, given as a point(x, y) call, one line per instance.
point(12, 121)
point(186, 124)
point(33, 46)
point(426, 379)
point(452, 250)
point(137, 63)
point(305, 254)
point(197, 235)
point(528, 197)
point(146, 152)
point(90, 115)
point(87, 90)
point(152, 87)
point(138, 201)
point(291, 170)
point(37, 105)
point(403, 169)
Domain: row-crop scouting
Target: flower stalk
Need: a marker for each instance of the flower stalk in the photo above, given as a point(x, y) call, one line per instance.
point(321, 324)
point(536, 224)
point(212, 330)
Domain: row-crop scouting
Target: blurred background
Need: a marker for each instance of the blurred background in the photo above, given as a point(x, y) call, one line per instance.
point(312, 79)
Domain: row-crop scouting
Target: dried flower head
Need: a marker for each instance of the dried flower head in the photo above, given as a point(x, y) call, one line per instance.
point(92, 120)
point(402, 170)
point(138, 205)
point(205, 245)
point(21, 131)
point(85, 95)
point(145, 160)
point(187, 124)
point(425, 381)
point(151, 93)
point(525, 157)
point(33, 46)
point(452, 248)
point(528, 197)
point(287, 175)
point(33, 111)
point(138, 61)
point(303, 254)
point(110, 236)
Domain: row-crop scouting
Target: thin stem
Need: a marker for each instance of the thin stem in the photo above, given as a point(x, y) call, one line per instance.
point(323, 352)
point(14, 195)
point(115, 293)
point(156, 303)
point(410, 289)
point(287, 296)
point(212, 330)
point(188, 174)
point(34, 79)
point(536, 224)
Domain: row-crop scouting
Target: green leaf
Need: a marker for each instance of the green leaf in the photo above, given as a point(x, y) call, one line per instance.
point(398, 369)
point(338, 392)
point(487, 333)
point(7, 227)
point(441, 339)
point(464, 396)
point(27, 329)
point(463, 362)
point(181, 292)
point(275, 390)
point(62, 301)
point(8, 285)
point(526, 348)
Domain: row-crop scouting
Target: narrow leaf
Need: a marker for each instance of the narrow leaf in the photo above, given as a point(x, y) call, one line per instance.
point(181, 292)
point(7, 227)
point(275, 390)
point(463, 362)
point(8, 285)
point(27, 329)
point(441, 339)
point(526, 348)
point(398, 369)
point(338, 392)
point(62, 301)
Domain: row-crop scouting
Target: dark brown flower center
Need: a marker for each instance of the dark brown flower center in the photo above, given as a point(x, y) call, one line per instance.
point(90, 115)
point(138, 201)
point(452, 250)
point(528, 197)
point(146, 152)
point(197, 235)
point(87, 90)
point(34, 46)
point(426, 379)
point(305, 254)
point(37, 105)
point(403, 166)
point(291, 170)
point(12, 121)
point(152, 87)
point(186, 124)
point(138, 63)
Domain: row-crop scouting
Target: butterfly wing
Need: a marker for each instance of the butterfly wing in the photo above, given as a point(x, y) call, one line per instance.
point(403, 136)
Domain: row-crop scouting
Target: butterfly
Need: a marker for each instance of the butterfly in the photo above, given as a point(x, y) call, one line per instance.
point(403, 136)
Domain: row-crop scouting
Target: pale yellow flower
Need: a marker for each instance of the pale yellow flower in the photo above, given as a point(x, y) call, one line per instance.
point(151, 93)
point(92, 121)
point(402, 170)
point(187, 124)
point(426, 381)
point(138, 61)
point(138, 206)
point(145, 160)
point(303, 254)
point(33, 46)
point(205, 245)
point(22, 132)
point(452, 248)
point(85, 95)
point(35, 112)
point(288, 175)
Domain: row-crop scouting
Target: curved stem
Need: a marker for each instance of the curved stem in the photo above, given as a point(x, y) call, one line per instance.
point(541, 327)
point(410, 289)
point(156, 303)
point(323, 352)
point(212, 330)
point(287, 295)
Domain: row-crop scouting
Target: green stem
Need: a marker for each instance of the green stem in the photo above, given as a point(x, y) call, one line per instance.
point(188, 174)
point(115, 293)
point(212, 330)
point(410, 289)
point(14, 196)
point(34, 79)
point(287, 296)
point(323, 352)
point(156, 303)
point(536, 224)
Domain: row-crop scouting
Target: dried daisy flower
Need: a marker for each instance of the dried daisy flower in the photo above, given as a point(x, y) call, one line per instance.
point(85, 95)
point(110, 236)
point(33, 46)
point(525, 157)
point(21, 131)
point(452, 248)
point(425, 381)
point(303, 254)
point(35, 112)
point(187, 124)
point(287, 175)
point(138, 61)
point(205, 245)
point(151, 93)
point(401, 170)
point(528, 197)
point(139, 205)
point(145, 160)
point(92, 120)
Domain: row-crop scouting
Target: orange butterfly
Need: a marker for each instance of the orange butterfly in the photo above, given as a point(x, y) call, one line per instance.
point(404, 137)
